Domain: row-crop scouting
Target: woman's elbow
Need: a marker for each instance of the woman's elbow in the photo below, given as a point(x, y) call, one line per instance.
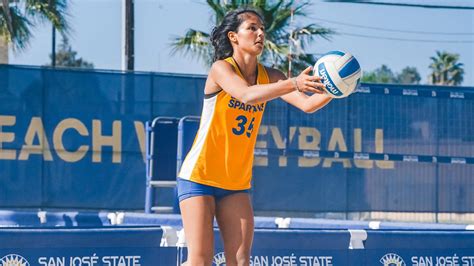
point(309, 110)
point(248, 98)
point(252, 102)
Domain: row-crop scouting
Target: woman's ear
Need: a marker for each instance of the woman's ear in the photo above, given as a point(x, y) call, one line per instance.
point(232, 36)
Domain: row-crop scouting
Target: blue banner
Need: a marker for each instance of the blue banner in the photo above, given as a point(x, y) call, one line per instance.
point(128, 246)
point(76, 139)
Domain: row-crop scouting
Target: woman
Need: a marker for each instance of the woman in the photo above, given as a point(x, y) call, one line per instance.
point(214, 180)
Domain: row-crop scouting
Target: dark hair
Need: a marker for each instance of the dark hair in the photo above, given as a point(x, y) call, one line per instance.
point(230, 22)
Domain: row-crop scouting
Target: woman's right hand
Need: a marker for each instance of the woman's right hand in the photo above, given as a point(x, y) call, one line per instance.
point(305, 82)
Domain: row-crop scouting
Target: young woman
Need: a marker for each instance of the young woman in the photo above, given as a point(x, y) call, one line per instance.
point(214, 180)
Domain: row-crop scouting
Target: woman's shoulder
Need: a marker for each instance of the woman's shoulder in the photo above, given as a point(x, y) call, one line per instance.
point(275, 74)
point(221, 65)
point(219, 69)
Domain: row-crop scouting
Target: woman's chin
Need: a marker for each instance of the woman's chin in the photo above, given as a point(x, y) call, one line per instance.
point(258, 50)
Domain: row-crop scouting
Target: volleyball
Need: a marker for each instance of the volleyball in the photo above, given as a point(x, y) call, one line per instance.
point(341, 73)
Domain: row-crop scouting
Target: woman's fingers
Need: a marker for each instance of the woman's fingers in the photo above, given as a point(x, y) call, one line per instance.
point(311, 83)
point(314, 84)
point(315, 90)
point(307, 70)
point(316, 78)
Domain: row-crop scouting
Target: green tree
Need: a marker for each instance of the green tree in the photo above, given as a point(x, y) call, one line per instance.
point(382, 74)
point(409, 75)
point(284, 41)
point(446, 70)
point(18, 17)
point(66, 57)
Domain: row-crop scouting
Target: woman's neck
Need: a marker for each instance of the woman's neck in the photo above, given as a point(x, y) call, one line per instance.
point(247, 65)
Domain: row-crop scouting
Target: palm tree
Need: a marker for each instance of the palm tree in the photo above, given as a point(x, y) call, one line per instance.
point(446, 70)
point(284, 41)
point(18, 17)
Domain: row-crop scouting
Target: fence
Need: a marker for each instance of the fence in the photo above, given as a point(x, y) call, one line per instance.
point(76, 139)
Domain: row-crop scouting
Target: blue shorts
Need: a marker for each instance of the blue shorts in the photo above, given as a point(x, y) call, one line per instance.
point(188, 189)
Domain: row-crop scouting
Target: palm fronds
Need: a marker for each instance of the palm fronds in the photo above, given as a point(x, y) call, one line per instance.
point(194, 43)
point(283, 40)
point(446, 70)
point(18, 17)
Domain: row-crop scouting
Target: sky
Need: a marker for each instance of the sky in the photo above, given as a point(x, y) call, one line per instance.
point(374, 34)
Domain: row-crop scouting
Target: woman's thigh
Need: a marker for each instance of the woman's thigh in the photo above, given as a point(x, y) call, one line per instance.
point(198, 217)
point(234, 215)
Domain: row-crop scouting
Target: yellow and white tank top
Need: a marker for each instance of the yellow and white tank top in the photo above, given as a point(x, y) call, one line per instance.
point(222, 152)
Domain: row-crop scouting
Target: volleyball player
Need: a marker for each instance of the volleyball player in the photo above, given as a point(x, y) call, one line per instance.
point(215, 178)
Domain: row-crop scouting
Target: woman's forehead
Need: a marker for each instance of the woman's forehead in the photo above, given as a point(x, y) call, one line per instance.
point(251, 18)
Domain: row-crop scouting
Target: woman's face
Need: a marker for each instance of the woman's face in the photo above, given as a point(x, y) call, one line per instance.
point(250, 35)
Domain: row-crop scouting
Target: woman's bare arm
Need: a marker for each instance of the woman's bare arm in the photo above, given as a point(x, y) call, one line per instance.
point(224, 76)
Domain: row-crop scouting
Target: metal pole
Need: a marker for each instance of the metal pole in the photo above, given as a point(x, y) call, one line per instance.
point(128, 89)
point(128, 57)
point(290, 44)
point(53, 48)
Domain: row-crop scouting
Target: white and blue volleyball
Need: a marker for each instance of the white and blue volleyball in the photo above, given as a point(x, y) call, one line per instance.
point(341, 73)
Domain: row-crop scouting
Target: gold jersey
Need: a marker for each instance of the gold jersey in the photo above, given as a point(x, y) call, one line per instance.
point(222, 152)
